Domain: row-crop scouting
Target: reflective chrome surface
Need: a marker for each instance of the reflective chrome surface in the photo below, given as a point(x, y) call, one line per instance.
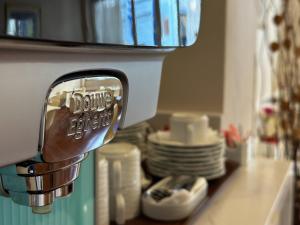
point(43, 183)
point(150, 23)
point(37, 200)
point(64, 191)
point(81, 115)
point(82, 112)
point(33, 199)
point(3, 192)
point(37, 167)
point(40, 191)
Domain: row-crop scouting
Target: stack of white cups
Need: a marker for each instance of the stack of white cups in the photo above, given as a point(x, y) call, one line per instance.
point(124, 180)
point(102, 194)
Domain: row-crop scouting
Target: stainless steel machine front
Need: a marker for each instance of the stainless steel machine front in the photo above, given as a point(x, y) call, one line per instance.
point(80, 115)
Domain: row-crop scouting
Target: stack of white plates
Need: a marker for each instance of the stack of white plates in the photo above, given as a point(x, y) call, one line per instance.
point(136, 135)
point(168, 157)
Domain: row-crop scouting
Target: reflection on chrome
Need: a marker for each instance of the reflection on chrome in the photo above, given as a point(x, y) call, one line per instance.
point(152, 23)
point(81, 115)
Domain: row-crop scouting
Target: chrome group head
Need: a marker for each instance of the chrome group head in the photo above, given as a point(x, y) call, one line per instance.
point(79, 115)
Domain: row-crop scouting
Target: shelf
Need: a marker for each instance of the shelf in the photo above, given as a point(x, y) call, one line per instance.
point(214, 186)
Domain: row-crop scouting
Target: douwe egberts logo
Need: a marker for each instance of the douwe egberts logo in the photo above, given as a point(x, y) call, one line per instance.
point(91, 110)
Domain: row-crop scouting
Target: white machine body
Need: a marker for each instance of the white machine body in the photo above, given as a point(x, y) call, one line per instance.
point(27, 75)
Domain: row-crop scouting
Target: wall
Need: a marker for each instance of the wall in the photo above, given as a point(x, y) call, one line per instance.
point(239, 86)
point(217, 74)
point(193, 77)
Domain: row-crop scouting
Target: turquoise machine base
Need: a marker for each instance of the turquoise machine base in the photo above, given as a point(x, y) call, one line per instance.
point(78, 209)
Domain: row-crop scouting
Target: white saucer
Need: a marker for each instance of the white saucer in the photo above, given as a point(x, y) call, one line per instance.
point(163, 138)
point(187, 154)
point(209, 175)
point(190, 172)
point(192, 160)
point(171, 149)
point(177, 171)
point(169, 165)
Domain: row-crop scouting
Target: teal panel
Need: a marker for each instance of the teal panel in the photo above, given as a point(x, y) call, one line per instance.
point(78, 209)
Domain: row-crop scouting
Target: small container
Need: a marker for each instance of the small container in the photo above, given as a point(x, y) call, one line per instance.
point(242, 154)
point(174, 202)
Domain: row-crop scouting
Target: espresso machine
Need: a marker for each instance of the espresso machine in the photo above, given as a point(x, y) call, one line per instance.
point(73, 72)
